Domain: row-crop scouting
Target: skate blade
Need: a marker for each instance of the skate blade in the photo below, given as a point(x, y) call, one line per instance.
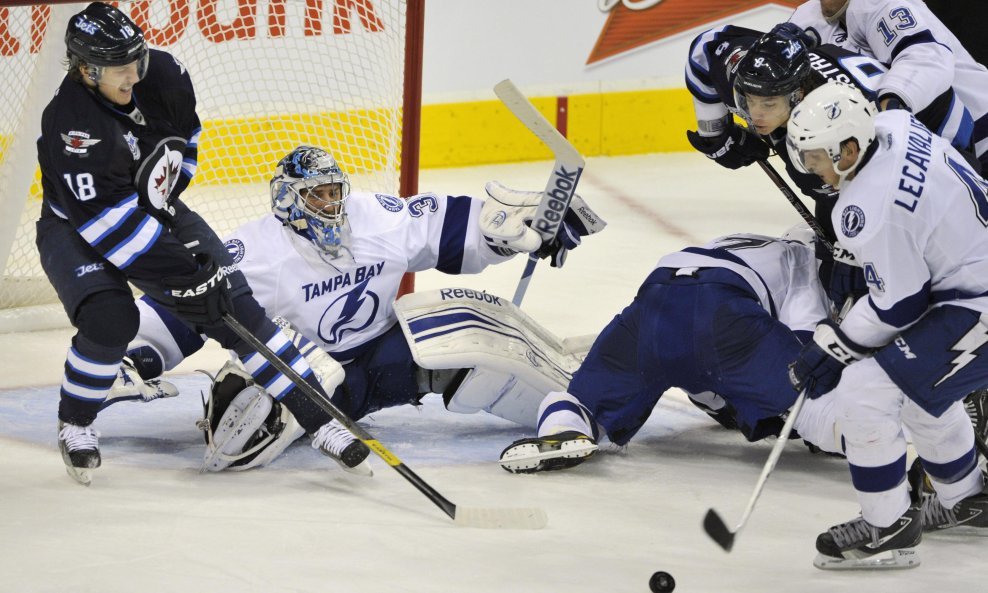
point(891, 560)
point(82, 475)
point(527, 458)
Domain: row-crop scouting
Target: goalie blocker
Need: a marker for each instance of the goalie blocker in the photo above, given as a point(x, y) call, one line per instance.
point(477, 349)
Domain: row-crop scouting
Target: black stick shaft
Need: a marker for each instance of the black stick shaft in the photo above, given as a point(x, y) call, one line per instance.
point(793, 199)
point(358, 431)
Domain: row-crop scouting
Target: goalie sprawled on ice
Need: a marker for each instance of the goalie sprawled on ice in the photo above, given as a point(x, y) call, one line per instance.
point(330, 262)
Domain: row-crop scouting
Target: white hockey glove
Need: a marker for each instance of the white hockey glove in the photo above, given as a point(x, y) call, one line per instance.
point(507, 215)
point(329, 372)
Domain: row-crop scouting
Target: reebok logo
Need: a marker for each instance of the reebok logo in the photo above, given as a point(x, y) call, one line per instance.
point(557, 200)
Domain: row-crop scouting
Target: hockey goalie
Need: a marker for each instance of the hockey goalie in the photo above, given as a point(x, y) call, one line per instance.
point(329, 262)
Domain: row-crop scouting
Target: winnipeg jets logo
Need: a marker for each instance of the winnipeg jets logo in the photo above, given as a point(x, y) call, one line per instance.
point(159, 173)
point(350, 313)
point(78, 143)
point(87, 26)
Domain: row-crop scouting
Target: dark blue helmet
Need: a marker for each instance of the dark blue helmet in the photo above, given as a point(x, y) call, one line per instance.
point(777, 64)
point(102, 35)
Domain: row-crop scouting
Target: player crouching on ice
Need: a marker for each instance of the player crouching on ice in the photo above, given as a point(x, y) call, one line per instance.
point(722, 322)
point(914, 211)
point(329, 262)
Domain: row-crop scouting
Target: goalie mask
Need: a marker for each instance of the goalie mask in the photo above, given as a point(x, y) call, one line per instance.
point(309, 192)
point(244, 427)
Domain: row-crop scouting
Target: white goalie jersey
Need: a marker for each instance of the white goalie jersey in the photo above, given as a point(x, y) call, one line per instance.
point(343, 303)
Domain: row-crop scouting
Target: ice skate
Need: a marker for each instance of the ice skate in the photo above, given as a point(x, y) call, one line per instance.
point(335, 441)
point(80, 451)
point(858, 544)
point(968, 516)
point(976, 406)
point(130, 387)
point(559, 451)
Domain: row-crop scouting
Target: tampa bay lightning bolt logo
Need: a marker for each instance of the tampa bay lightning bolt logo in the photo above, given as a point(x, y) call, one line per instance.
point(832, 110)
point(390, 203)
point(350, 313)
point(236, 249)
point(852, 221)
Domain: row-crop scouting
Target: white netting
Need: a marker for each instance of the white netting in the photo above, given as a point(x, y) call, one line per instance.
point(269, 75)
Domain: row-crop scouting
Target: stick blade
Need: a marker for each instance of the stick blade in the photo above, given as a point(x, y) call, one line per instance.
point(718, 531)
point(500, 518)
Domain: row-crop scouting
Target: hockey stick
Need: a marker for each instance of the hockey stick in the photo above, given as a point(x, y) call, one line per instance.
point(801, 208)
point(503, 518)
point(561, 186)
point(713, 524)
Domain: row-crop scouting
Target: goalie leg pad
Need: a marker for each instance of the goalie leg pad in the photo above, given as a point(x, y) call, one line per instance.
point(244, 427)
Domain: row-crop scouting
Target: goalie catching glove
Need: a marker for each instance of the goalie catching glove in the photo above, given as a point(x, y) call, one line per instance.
point(506, 220)
point(822, 360)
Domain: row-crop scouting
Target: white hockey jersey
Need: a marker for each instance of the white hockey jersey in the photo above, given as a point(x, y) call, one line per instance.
point(782, 273)
point(924, 57)
point(915, 216)
point(343, 303)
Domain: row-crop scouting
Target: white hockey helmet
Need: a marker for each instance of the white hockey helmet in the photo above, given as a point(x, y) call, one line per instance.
point(824, 120)
point(309, 192)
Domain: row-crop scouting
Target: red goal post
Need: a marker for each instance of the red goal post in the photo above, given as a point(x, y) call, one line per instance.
point(269, 75)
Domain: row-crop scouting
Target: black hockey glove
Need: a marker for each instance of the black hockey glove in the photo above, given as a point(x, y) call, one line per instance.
point(735, 148)
point(822, 360)
point(203, 297)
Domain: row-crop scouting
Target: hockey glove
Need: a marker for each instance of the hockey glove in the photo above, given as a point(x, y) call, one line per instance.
point(822, 360)
point(203, 297)
point(506, 218)
point(735, 148)
point(808, 37)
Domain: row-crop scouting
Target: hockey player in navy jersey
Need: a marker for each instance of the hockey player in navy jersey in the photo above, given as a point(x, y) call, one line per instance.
point(118, 145)
point(329, 261)
point(923, 56)
point(914, 212)
point(720, 321)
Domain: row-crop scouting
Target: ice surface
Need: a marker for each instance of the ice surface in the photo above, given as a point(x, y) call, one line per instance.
point(150, 522)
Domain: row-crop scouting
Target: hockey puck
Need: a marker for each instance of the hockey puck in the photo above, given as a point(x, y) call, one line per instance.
point(661, 582)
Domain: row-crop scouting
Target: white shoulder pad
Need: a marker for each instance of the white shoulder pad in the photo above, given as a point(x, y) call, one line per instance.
point(453, 328)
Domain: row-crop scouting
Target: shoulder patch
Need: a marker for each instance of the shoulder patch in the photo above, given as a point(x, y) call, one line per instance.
point(852, 221)
point(77, 143)
point(390, 203)
point(236, 249)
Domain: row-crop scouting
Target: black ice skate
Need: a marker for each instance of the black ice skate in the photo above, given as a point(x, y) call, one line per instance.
point(335, 441)
point(80, 451)
point(976, 406)
point(968, 516)
point(858, 544)
point(554, 452)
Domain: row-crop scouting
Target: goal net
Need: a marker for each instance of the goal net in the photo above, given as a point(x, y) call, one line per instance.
point(269, 75)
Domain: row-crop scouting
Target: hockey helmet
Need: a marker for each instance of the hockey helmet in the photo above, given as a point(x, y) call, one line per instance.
point(829, 116)
point(777, 65)
point(101, 36)
point(309, 192)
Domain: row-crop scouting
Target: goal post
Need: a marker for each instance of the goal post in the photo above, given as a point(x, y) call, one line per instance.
point(269, 75)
